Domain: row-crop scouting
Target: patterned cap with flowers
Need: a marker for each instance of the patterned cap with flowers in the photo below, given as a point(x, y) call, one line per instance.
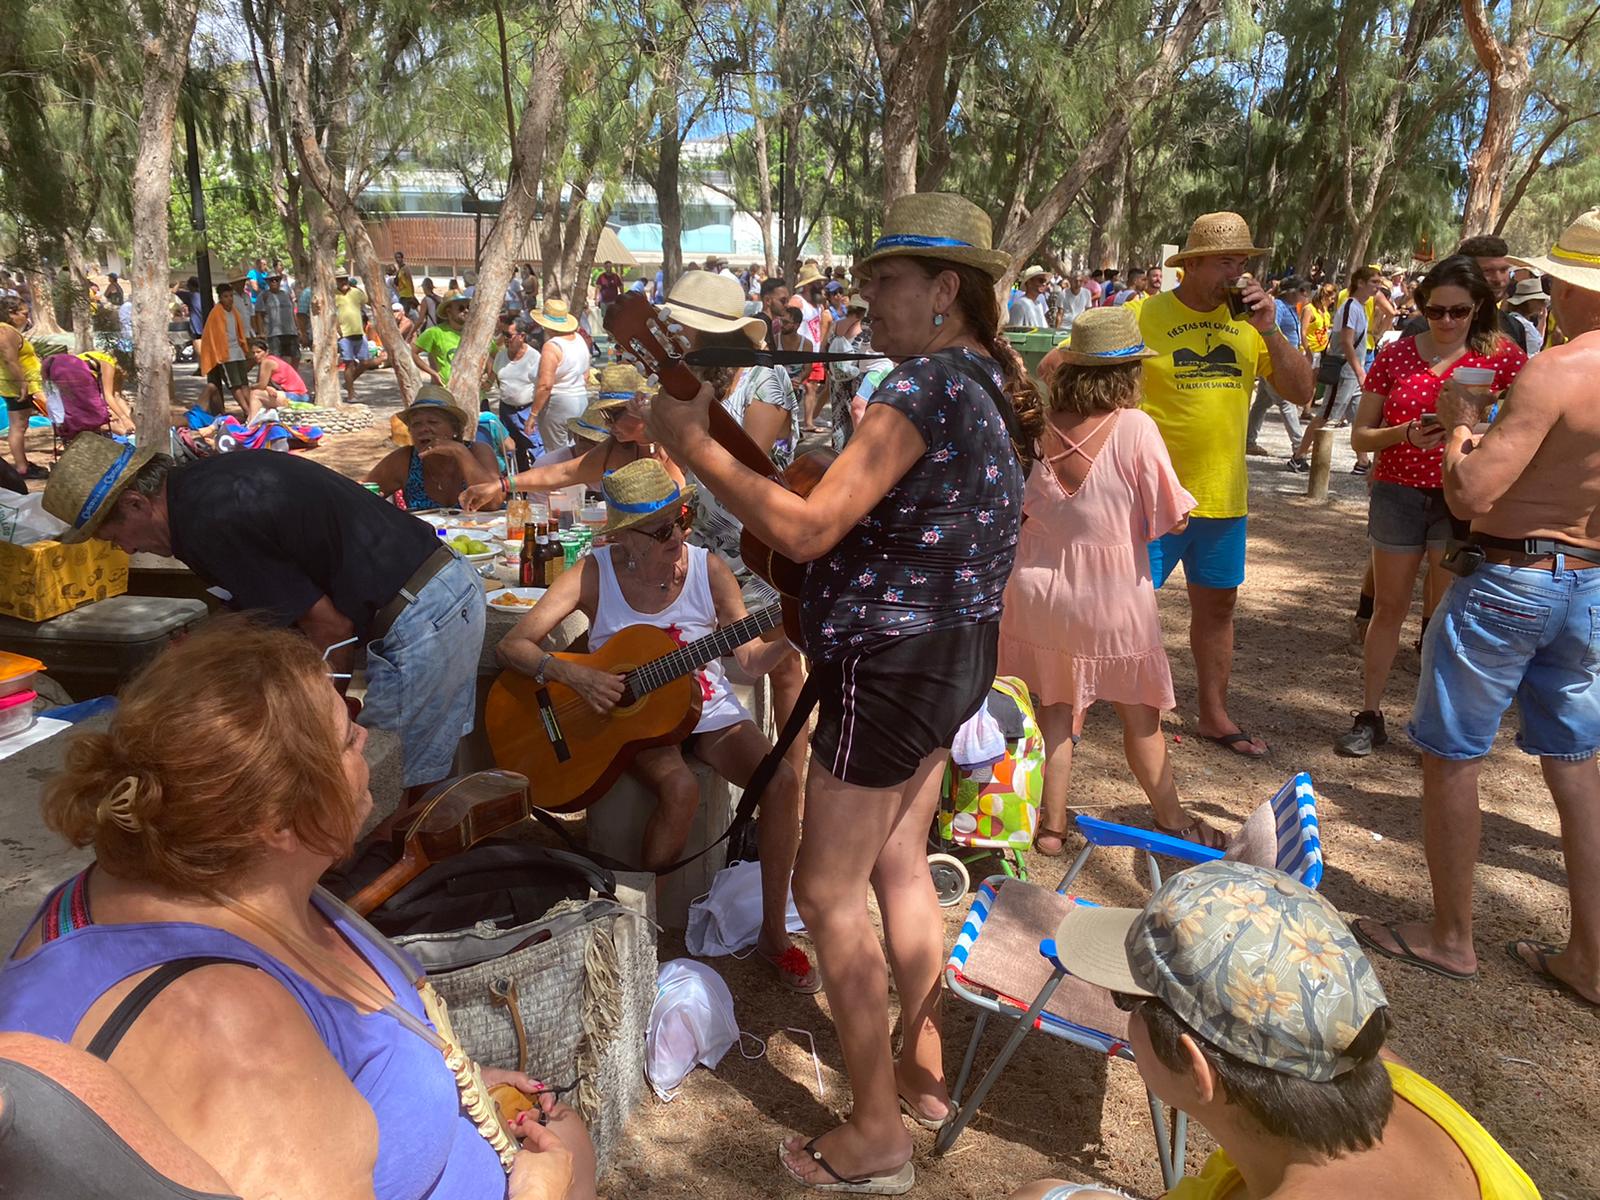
point(1253, 961)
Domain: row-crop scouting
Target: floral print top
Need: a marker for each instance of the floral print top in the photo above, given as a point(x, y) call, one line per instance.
point(937, 550)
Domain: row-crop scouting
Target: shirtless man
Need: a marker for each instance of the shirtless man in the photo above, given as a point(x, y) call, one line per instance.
point(1519, 627)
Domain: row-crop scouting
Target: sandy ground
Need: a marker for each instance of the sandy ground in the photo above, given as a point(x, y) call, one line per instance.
point(1520, 1056)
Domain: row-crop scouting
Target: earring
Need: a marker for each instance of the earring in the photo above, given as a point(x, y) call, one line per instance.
point(631, 565)
point(938, 320)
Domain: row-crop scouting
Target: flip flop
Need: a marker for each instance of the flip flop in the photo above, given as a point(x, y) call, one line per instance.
point(1542, 951)
point(1405, 954)
point(1239, 737)
point(897, 1183)
point(934, 1123)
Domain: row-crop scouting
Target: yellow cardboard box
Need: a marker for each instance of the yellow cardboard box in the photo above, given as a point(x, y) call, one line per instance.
point(45, 579)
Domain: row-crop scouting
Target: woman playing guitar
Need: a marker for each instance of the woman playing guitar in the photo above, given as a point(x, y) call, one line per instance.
point(910, 536)
point(647, 575)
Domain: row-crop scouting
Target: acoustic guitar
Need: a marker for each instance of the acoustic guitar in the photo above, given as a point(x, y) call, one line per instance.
point(641, 335)
point(572, 754)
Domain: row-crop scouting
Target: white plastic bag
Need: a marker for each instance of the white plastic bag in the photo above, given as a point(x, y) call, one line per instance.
point(979, 742)
point(691, 1023)
point(23, 519)
point(727, 919)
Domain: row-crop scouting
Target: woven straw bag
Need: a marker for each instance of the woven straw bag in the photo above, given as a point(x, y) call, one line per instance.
point(584, 977)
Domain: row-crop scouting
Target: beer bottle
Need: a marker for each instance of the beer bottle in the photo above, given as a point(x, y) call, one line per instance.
point(529, 569)
point(552, 560)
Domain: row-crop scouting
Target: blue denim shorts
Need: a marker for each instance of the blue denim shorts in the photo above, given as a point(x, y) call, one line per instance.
point(1211, 550)
point(422, 675)
point(1512, 633)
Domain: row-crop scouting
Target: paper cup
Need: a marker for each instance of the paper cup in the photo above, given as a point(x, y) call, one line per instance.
point(1473, 376)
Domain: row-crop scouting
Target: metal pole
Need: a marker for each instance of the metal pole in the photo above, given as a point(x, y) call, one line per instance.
point(197, 210)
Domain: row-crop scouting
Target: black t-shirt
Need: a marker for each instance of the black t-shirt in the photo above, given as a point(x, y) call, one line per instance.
point(280, 532)
point(1513, 329)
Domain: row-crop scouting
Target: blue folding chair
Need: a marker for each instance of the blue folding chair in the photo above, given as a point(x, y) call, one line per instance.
point(1282, 832)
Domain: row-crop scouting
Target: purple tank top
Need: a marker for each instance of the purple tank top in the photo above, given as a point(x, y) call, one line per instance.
point(427, 1147)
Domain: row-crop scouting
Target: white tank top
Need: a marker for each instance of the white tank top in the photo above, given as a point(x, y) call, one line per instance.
point(691, 616)
point(572, 372)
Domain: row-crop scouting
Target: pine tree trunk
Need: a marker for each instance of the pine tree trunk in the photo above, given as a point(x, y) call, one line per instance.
point(324, 324)
point(42, 289)
point(1506, 62)
point(763, 180)
point(82, 318)
point(164, 29)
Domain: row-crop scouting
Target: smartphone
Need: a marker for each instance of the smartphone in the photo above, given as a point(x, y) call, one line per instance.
point(1431, 420)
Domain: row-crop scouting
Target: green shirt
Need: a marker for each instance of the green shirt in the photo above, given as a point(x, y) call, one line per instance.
point(439, 343)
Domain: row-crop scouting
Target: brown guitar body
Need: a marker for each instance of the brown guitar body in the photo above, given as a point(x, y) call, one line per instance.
point(572, 754)
point(787, 577)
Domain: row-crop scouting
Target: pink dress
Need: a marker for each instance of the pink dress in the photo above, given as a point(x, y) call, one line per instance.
point(1080, 621)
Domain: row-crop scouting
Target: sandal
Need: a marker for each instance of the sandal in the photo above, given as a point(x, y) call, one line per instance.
point(1199, 831)
point(1404, 953)
point(897, 1183)
point(794, 970)
point(1060, 836)
point(1542, 951)
point(1232, 741)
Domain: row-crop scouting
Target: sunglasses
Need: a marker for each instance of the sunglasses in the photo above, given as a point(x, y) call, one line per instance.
point(1456, 312)
point(683, 521)
point(1127, 1002)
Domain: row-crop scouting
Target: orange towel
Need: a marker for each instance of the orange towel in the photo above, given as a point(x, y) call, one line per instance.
point(214, 340)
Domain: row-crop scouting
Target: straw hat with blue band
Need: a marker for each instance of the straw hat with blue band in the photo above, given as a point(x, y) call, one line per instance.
point(939, 225)
point(620, 383)
point(640, 493)
point(431, 397)
point(555, 316)
point(85, 484)
point(1105, 337)
point(1575, 258)
point(593, 426)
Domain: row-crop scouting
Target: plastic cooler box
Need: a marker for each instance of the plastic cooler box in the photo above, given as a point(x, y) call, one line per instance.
point(92, 650)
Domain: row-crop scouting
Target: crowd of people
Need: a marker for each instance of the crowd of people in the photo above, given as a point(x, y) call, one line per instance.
point(977, 521)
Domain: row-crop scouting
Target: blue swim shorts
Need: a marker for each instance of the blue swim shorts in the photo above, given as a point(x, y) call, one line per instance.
point(1211, 550)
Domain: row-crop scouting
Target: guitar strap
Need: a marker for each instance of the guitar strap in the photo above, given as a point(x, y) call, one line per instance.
point(803, 705)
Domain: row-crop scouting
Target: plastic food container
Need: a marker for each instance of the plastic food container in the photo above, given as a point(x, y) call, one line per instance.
point(17, 672)
point(1473, 376)
point(16, 713)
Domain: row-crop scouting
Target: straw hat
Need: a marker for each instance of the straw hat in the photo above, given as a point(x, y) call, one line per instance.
point(594, 425)
point(460, 298)
point(640, 492)
point(808, 275)
point(1105, 337)
point(712, 303)
point(1575, 258)
point(1527, 291)
point(85, 484)
point(555, 316)
point(858, 302)
point(1030, 273)
point(433, 398)
point(939, 225)
point(620, 383)
point(1217, 233)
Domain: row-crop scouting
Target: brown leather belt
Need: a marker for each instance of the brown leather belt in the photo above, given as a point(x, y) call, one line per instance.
point(390, 612)
point(1510, 558)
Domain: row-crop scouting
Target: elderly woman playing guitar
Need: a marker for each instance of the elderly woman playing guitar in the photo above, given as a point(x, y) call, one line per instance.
point(648, 575)
point(910, 536)
point(276, 1034)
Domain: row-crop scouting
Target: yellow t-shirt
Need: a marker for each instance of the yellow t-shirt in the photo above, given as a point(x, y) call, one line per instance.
point(1197, 390)
point(1314, 326)
point(32, 381)
point(1499, 1176)
point(347, 305)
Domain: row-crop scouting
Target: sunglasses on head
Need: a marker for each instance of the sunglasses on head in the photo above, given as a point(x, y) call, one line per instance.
point(1456, 312)
point(684, 519)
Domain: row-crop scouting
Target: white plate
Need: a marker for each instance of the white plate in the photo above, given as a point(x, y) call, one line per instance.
point(496, 546)
point(494, 599)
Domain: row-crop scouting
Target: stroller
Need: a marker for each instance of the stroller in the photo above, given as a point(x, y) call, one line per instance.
point(991, 810)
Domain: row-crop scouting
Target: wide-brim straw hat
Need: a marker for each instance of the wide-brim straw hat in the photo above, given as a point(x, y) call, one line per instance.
point(620, 383)
point(85, 484)
point(939, 225)
point(1527, 291)
point(1217, 233)
point(594, 425)
point(1575, 258)
point(431, 397)
point(639, 493)
point(711, 303)
point(1105, 337)
point(1030, 273)
point(454, 298)
point(808, 276)
point(555, 316)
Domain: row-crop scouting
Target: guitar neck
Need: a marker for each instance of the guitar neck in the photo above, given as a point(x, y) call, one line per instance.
point(699, 652)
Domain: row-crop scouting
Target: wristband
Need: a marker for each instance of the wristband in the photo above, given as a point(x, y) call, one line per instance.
point(1409, 442)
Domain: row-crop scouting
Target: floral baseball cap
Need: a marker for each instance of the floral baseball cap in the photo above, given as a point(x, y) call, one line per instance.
point(1253, 961)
